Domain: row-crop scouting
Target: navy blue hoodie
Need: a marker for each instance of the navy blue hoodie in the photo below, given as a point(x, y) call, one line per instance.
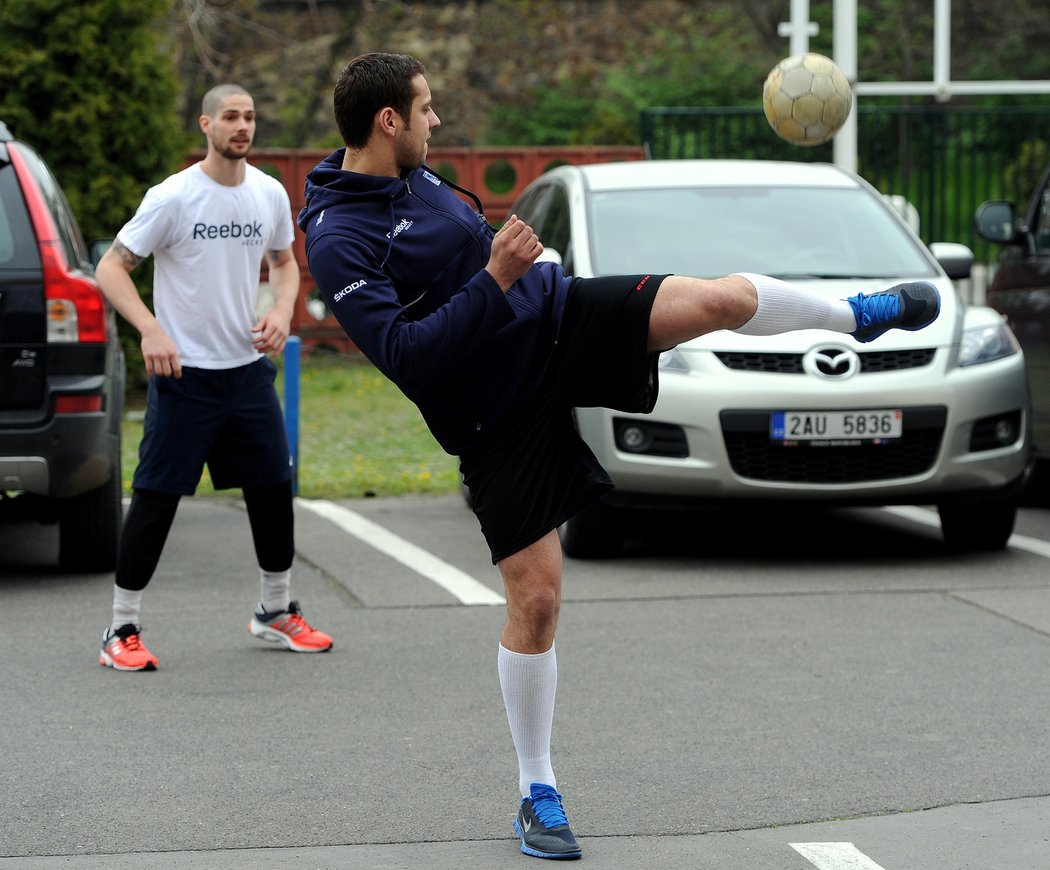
point(400, 262)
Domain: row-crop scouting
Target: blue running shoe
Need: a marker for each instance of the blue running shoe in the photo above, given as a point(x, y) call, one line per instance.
point(542, 825)
point(905, 306)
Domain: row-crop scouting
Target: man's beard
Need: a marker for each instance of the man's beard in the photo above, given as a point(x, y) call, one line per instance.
point(409, 158)
point(231, 152)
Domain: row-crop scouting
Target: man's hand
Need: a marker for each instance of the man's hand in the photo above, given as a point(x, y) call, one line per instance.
point(271, 332)
point(514, 249)
point(160, 354)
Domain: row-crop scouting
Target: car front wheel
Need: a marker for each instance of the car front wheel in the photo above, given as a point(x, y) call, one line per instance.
point(596, 532)
point(978, 526)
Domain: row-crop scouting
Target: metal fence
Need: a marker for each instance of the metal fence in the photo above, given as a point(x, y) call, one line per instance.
point(945, 160)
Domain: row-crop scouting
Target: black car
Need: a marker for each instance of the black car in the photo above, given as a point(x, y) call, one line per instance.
point(61, 370)
point(1020, 289)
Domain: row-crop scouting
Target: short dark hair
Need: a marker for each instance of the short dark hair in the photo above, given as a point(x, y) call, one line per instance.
point(368, 83)
point(213, 99)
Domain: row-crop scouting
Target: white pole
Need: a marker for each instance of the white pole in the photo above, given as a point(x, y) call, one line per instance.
point(942, 49)
point(844, 51)
point(799, 29)
point(799, 43)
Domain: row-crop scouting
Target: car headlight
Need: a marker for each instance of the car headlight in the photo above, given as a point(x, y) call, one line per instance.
point(982, 344)
point(672, 361)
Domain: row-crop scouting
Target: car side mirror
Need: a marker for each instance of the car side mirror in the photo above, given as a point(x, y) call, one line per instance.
point(996, 221)
point(955, 259)
point(97, 248)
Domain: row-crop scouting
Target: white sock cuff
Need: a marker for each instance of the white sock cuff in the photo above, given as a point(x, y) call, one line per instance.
point(763, 282)
point(524, 656)
point(126, 606)
point(275, 590)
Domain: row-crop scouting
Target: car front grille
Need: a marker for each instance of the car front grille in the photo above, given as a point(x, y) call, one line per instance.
point(753, 455)
point(791, 363)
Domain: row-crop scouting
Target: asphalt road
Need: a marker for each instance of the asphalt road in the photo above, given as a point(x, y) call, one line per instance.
point(837, 679)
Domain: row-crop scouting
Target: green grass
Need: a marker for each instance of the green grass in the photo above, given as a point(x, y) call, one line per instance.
point(358, 435)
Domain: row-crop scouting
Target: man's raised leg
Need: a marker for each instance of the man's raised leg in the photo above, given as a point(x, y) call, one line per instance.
point(751, 304)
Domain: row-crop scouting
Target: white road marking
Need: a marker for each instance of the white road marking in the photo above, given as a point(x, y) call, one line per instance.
point(930, 518)
point(448, 577)
point(835, 856)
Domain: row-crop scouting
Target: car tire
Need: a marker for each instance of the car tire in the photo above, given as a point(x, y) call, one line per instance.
point(978, 526)
point(596, 532)
point(89, 528)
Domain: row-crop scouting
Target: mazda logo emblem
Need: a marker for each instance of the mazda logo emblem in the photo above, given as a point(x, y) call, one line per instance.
point(831, 362)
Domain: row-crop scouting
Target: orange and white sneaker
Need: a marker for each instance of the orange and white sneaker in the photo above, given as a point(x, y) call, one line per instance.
point(123, 649)
point(289, 628)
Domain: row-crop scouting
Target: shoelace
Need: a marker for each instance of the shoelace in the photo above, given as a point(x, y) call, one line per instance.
point(546, 806)
point(877, 309)
point(132, 643)
point(293, 623)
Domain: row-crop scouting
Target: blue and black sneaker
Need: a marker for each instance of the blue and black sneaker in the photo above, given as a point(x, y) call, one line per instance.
point(542, 825)
point(906, 306)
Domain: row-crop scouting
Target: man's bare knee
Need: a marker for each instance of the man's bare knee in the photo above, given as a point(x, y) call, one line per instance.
point(532, 583)
point(686, 308)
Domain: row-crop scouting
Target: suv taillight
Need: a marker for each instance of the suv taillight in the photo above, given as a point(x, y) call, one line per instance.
point(75, 308)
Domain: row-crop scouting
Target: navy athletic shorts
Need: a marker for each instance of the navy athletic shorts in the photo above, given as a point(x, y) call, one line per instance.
point(535, 471)
point(229, 419)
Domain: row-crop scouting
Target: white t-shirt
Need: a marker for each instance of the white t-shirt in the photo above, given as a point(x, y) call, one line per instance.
point(208, 242)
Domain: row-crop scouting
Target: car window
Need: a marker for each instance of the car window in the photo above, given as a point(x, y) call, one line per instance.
point(556, 230)
point(790, 232)
point(18, 249)
point(530, 207)
point(61, 213)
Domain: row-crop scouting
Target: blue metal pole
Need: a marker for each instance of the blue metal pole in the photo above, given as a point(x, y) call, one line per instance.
point(292, 351)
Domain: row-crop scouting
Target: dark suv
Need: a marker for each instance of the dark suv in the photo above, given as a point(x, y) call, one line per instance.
point(1020, 289)
point(61, 370)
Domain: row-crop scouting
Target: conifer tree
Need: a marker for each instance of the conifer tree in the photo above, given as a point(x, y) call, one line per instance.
point(92, 86)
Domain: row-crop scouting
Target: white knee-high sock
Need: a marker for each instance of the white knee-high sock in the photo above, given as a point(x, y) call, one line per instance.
point(275, 590)
point(783, 307)
point(126, 606)
point(529, 683)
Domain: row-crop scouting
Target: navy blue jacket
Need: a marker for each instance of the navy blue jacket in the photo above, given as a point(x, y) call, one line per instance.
point(400, 262)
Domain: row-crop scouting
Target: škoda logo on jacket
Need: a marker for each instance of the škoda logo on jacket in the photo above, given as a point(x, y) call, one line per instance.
point(348, 289)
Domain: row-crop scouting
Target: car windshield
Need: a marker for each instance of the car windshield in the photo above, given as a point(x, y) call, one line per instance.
point(792, 232)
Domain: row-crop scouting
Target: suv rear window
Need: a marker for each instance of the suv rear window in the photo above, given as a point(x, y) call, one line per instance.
point(18, 249)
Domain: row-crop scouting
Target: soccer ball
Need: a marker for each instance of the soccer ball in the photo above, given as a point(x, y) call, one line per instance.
point(806, 99)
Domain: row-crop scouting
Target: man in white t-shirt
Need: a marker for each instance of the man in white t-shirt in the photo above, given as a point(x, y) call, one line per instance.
point(211, 393)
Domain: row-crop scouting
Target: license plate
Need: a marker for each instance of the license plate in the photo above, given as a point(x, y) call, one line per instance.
point(847, 427)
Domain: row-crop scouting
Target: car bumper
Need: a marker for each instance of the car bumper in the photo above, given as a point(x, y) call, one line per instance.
point(72, 454)
point(953, 405)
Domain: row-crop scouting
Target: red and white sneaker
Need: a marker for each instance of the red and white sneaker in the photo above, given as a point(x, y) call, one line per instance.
point(289, 628)
point(123, 649)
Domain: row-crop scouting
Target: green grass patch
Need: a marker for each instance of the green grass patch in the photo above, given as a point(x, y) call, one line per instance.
point(358, 435)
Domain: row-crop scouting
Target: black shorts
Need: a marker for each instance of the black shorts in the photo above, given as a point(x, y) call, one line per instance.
point(535, 471)
point(229, 419)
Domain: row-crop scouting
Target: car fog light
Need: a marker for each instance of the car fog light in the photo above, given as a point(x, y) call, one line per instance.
point(998, 431)
point(650, 438)
point(1005, 432)
point(633, 437)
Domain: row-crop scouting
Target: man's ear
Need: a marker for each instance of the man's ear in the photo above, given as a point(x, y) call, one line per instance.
point(205, 123)
point(386, 120)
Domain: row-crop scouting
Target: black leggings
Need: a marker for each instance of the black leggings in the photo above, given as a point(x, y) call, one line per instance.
point(151, 514)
